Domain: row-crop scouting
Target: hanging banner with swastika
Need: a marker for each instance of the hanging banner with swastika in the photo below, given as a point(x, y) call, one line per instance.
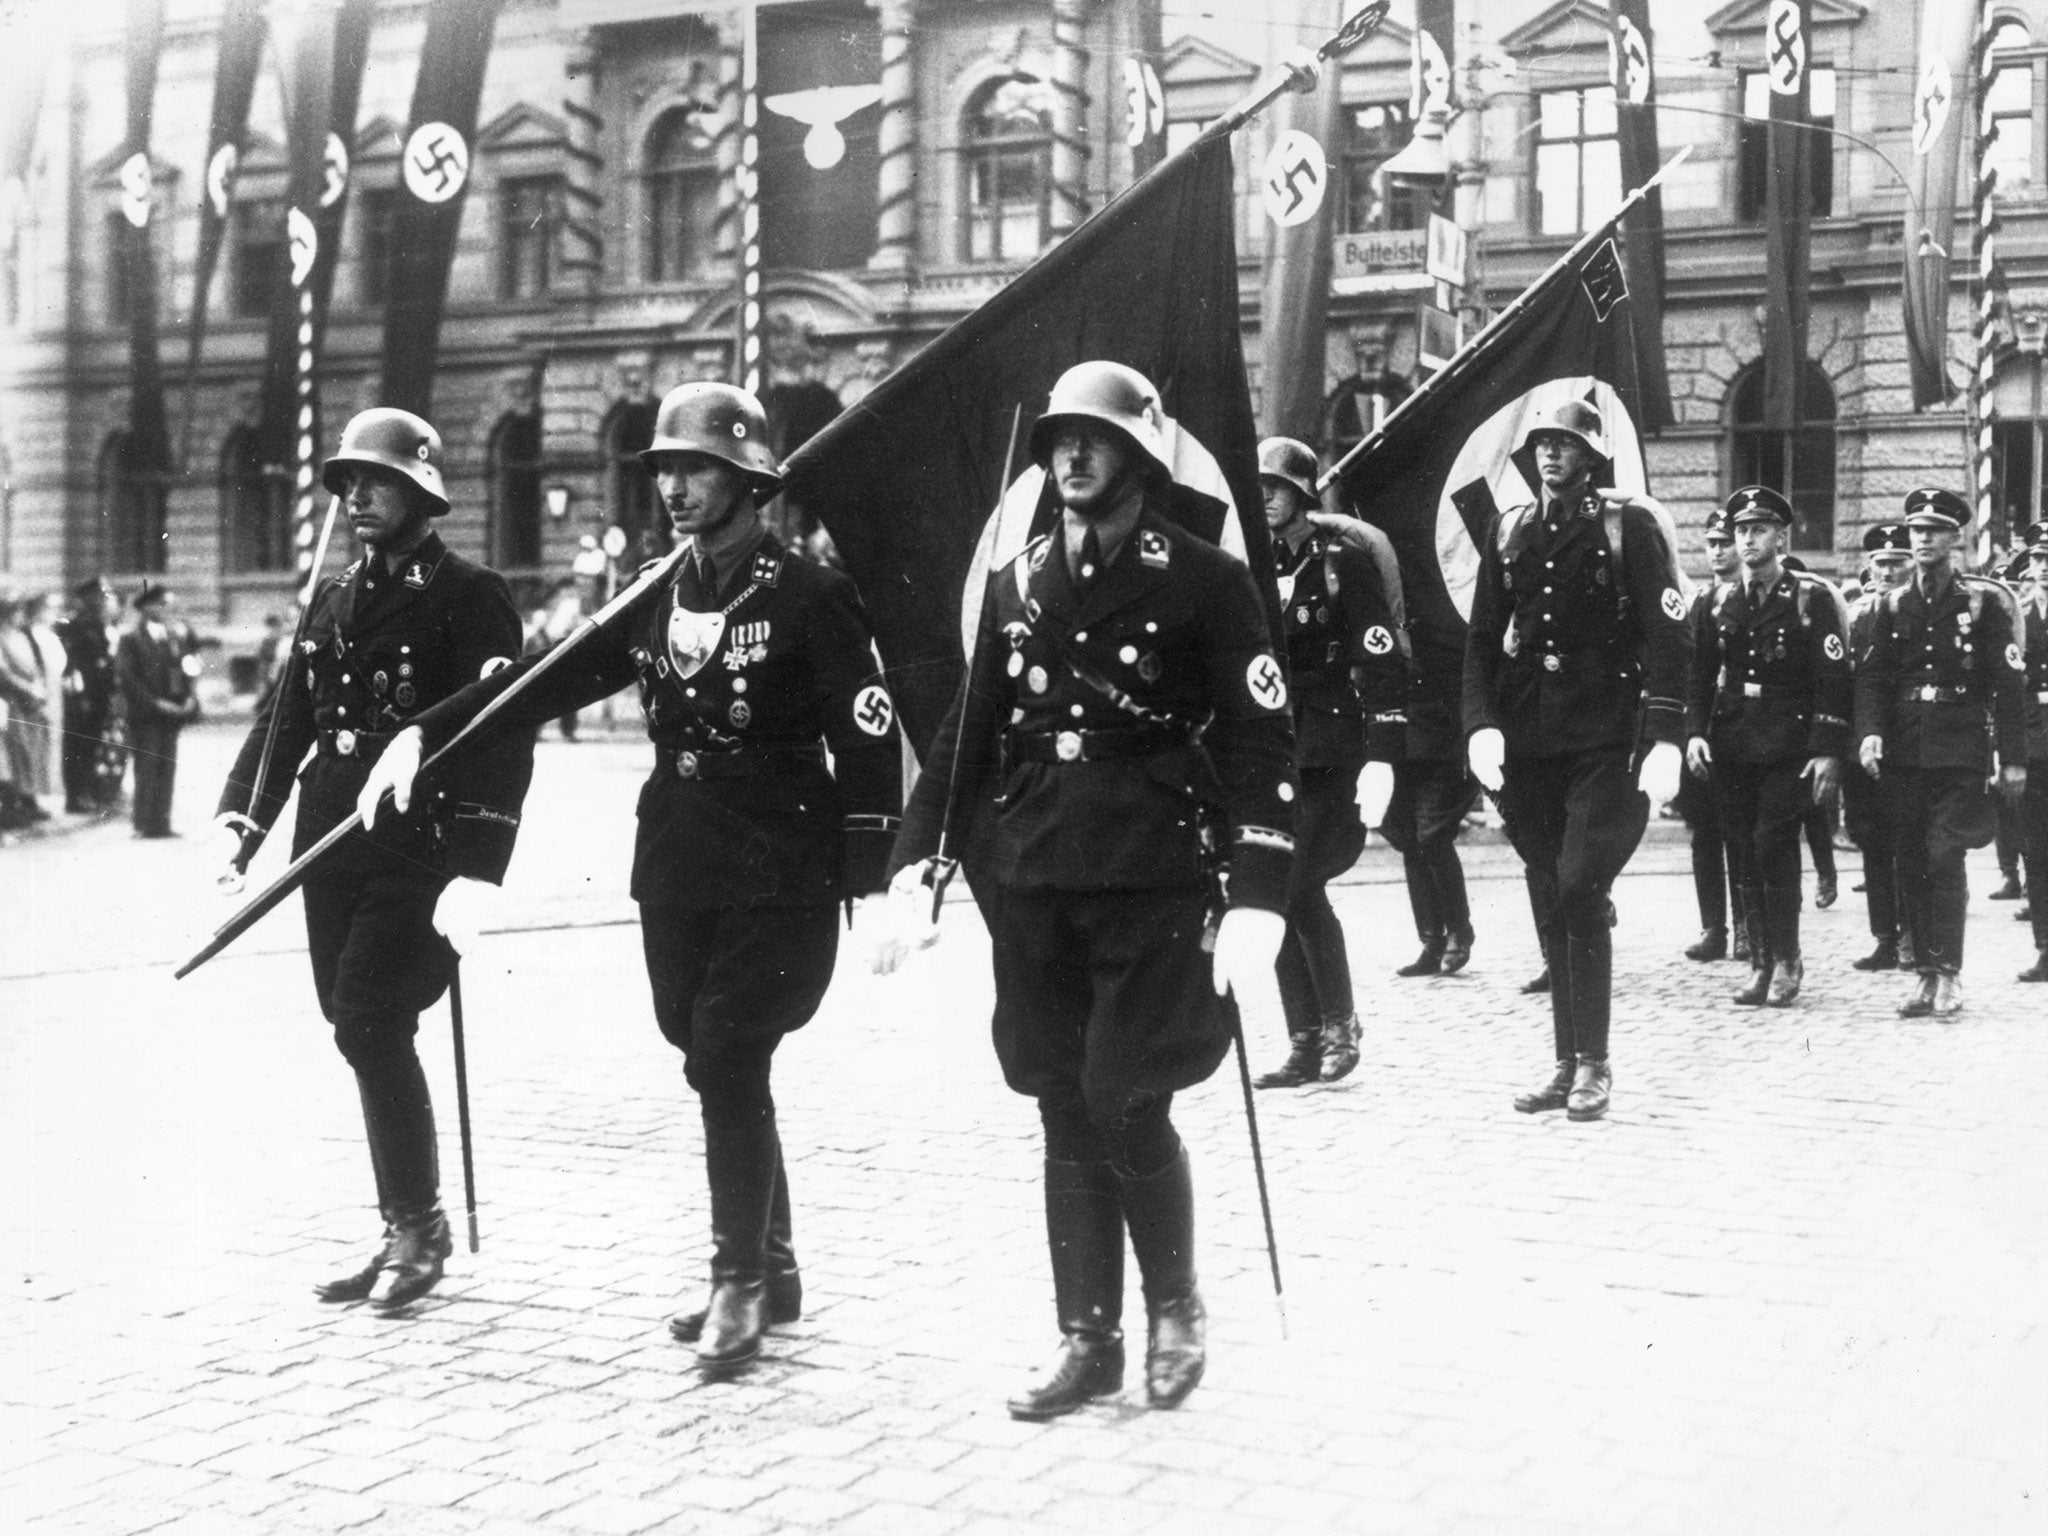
point(1789, 151)
point(439, 144)
point(1635, 97)
point(1941, 128)
point(1296, 175)
point(148, 423)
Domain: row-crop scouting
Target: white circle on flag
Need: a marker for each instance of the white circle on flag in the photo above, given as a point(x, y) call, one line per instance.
point(305, 245)
point(436, 163)
point(220, 178)
point(135, 189)
point(1144, 103)
point(1266, 682)
point(1785, 48)
point(1297, 175)
point(334, 171)
point(2012, 658)
point(1632, 58)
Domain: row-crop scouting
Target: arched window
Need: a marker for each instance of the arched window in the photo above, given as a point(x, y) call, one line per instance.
point(681, 190)
point(1007, 170)
point(1799, 463)
point(131, 506)
point(255, 506)
point(512, 533)
point(629, 490)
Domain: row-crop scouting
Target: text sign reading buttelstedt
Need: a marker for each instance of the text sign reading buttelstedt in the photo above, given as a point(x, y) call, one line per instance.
point(1380, 261)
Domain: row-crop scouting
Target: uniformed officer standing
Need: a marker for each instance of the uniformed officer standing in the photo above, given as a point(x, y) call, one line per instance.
point(1889, 556)
point(404, 626)
point(1577, 646)
point(1767, 711)
point(1716, 866)
point(2036, 800)
point(1348, 679)
point(157, 663)
point(1123, 693)
point(1944, 664)
point(88, 638)
point(751, 664)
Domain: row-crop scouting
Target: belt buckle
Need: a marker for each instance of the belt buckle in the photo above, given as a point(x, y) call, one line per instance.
point(686, 765)
point(1752, 690)
point(2041, 697)
point(345, 743)
point(1929, 694)
point(1552, 662)
point(1066, 746)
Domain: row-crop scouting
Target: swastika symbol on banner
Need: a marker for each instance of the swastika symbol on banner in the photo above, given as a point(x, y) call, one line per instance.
point(304, 240)
point(872, 711)
point(436, 163)
point(1633, 77)
point(1296, 177)
point(1786, 45)
point(136, 187)
point(334, 179)
point(220, 179)
point(1268, 687)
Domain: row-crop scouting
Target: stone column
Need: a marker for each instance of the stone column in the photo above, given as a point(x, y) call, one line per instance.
point(896, 191)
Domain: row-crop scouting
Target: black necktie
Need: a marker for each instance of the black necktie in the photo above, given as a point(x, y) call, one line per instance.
point(705, 577)
point(1091, 562)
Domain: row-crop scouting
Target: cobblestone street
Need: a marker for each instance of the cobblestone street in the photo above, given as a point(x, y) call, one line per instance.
point(1793, 1284)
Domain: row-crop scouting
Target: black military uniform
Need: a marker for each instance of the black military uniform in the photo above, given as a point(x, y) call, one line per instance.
point(1577, 650)
point(1433, 794)
point(157, 664)
point(1716, 867)
point(1349, 681)
point(1944, 677)
point(91, 784)
point(1863, 812)
point(1123, 710)
point(749, 837)
point(379, 646)
point(2035, 622)
point(1770, 694)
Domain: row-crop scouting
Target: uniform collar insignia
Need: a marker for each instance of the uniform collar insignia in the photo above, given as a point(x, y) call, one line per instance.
point(416, 575)
point(767, 566)
point(1035, 556)
point(1154, 549)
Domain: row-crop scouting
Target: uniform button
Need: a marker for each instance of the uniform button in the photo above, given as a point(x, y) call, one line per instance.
point(1081, 637)
point(1077, 711)
point(1151, 629)
point(689, 693)
point(346, 678)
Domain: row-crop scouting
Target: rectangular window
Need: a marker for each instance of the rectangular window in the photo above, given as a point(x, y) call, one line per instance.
point(262, 256)
point(682, 228)
point(379, 208)
point(1376, 133)
point(117, 269)
point(2011, 154)
point(529, 213)
point(1578, 160)
point(1752, 147)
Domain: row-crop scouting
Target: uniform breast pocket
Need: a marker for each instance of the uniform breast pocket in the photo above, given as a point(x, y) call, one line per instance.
point(407, 669)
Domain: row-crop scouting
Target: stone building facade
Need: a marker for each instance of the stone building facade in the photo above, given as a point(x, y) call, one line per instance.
point(597, 260)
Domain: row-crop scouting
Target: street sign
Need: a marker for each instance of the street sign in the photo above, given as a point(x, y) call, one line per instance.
point(1445, 257)
point(1436, 337)
point(1381, 261)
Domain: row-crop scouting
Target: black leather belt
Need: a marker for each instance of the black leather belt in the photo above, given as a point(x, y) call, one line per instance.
point(1734, 690)
point(738, 762)
point(1093, 746)
point(344, 742)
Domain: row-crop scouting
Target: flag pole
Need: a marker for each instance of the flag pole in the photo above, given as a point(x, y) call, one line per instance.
point(1462, 363)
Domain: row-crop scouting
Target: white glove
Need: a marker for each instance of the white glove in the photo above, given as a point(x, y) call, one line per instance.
point(901, 921)
point(1375, 792)
point(1658, 777)
point(394, 771)
point(1871, 754)
point(218, 849)
point(460, 913)
point(1247, 947)
point(1487, 752)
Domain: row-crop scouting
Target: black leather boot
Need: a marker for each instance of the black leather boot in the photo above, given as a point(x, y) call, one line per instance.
point(1161, 1211)
point(1919, 1001)
point(1084, 1228)
point(1304, 1063)
point(741, 1160)
point(783, 1285)
point(1786, 978)
point(420, 1245)
point(2038, 971)
point(2009, 888)
point(1781, 919)
point(1884, 957)
point(1592, 1082)
point(1340, 1048)
point(1457, 951)
point(1551, 1095)
point(1539, 983)
point(356, 1285)
point(1712, 945)
point(1759, 950)
point(1430, 961)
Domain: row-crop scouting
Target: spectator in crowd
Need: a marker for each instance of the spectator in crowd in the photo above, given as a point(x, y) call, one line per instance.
point(93, 760)
point(24, 740)
point(157, 663)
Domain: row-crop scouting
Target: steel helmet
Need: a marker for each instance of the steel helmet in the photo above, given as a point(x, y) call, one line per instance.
point(397, 440)
point(720, 421)
point(1574, 418)
point(1109, 393)
point(1292, 462)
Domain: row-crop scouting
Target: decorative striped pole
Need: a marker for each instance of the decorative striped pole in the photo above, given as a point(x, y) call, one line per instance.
point(305, 526)
point(725, 142)
point(896, 207)
point(749, 181)
point(1990, 286)
point(1069, 115)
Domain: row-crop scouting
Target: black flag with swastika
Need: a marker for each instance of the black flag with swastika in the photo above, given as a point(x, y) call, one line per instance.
point(1448, 459)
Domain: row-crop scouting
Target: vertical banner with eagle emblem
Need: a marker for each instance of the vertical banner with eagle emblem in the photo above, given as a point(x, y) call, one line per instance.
point(905, 478)
point(149, 437)
point(1788, 65)
point(234, 84)
point(1941, 127)
point(440, 144)
point(1449, 458)
point(1635, 112)
point(1295, 303)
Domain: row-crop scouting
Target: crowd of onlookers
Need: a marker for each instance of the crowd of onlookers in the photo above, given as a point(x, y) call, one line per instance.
point(82, 697)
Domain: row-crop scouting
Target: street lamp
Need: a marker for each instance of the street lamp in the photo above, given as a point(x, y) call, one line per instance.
point(558, 498)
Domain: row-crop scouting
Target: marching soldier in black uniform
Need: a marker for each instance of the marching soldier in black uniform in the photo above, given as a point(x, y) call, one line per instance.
point(2036, 800)
point(1123, 706)
point(1433, 794)
point(1767, 712)
point(1889, 558)
point(751, 665)
point(89, 692)
point(403, 627)
point(1716, 867)
point(1945, 676)
point(1577, 647)
point(1348, 679)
